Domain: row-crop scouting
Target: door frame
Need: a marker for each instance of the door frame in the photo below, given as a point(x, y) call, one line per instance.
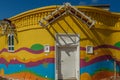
point(77, 56)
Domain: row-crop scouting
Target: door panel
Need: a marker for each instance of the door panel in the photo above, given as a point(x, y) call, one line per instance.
point(66, 63)
point(67, 57)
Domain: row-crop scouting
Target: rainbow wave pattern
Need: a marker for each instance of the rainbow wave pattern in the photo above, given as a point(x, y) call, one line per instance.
point(43, 67)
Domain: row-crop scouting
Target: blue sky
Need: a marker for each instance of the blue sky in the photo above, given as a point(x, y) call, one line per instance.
point(9, 8)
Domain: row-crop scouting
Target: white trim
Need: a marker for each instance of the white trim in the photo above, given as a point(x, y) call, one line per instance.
point(78, 61)
point(69, 34)
point(77, 57)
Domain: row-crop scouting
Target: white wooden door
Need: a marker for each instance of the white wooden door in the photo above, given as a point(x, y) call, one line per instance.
point(67, 59)
point(66, 63)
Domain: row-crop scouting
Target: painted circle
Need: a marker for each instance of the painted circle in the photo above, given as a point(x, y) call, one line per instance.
point(37, 47)
point(117, 44)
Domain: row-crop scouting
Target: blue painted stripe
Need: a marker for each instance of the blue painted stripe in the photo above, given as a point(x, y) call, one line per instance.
point(99, 66)
point(49, 70)
point(39, 70)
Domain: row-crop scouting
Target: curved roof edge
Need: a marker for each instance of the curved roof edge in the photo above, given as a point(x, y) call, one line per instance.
point(53, 7)
point(36, 10)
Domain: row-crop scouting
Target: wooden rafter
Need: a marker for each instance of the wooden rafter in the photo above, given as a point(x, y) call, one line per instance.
point(66, 8)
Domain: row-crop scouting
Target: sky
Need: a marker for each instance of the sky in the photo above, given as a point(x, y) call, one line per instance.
point(9, 8)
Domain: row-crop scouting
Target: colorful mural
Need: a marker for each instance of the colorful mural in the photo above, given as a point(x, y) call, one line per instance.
point(43, 67)
point(38, 68)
